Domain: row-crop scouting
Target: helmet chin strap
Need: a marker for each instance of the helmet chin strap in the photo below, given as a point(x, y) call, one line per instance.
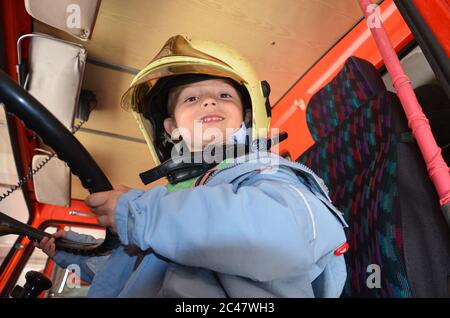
point(193, 164)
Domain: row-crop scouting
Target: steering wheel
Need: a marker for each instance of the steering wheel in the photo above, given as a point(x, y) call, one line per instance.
point(36, 117)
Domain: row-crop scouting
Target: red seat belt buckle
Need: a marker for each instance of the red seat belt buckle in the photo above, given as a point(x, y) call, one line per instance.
point(341, 249)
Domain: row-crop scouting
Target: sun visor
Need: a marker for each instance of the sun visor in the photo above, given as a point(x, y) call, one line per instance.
point(76, 17)
point(56, 70)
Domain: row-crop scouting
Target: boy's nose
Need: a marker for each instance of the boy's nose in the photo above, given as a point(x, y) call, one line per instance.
point(209, 102)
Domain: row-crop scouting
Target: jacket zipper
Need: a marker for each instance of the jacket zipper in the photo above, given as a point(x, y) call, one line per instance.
point(306, 168)
point(316, 178)
point(308, 207)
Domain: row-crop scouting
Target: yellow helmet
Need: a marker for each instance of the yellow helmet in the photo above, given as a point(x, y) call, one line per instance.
point(182, 55)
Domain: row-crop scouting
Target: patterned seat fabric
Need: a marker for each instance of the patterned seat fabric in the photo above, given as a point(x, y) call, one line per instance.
point(357, 82)
point(377, 178)
point(358, 164)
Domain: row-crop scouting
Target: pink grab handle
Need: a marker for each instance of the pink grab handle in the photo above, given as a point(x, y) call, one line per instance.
point(417, 121)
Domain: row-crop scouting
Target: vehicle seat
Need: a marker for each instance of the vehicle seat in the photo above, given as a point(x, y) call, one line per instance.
point(377, 177)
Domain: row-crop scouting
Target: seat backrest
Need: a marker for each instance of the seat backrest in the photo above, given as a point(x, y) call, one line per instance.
point(399, 241)
point(357, 82)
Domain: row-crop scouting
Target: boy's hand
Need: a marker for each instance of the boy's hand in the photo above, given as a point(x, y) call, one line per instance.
point(47, 245)
point(104, 205)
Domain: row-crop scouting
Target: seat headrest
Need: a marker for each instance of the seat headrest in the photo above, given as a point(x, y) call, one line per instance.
point(357, 82)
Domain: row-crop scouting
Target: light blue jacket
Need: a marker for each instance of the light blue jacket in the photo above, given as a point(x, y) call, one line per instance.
point(262, 226)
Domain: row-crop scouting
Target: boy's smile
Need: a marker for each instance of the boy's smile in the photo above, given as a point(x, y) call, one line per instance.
point(204, 112)
point(213, 118)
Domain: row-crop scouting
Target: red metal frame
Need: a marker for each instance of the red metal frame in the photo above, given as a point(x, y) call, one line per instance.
point(437, 16)
point(15, 22)
point(289, 113)
point(45, 216)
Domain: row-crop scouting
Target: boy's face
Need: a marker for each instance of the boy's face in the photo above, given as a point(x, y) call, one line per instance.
point(204, 112)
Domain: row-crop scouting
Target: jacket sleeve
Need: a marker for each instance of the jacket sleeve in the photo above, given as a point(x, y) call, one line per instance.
point(261, 229)
point(88, 265)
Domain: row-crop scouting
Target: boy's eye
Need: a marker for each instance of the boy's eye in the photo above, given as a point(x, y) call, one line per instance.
point(190, 99)
point(225, 95)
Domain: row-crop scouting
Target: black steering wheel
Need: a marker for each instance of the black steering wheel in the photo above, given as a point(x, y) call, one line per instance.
point(36, 117)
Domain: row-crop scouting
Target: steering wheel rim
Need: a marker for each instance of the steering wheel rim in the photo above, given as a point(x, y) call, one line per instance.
point(36, 117)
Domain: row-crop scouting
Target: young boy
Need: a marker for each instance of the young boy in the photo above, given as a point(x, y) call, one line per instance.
point(253, 226)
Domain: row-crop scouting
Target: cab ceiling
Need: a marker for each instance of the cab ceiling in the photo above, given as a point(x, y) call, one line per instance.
point(281, 38)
